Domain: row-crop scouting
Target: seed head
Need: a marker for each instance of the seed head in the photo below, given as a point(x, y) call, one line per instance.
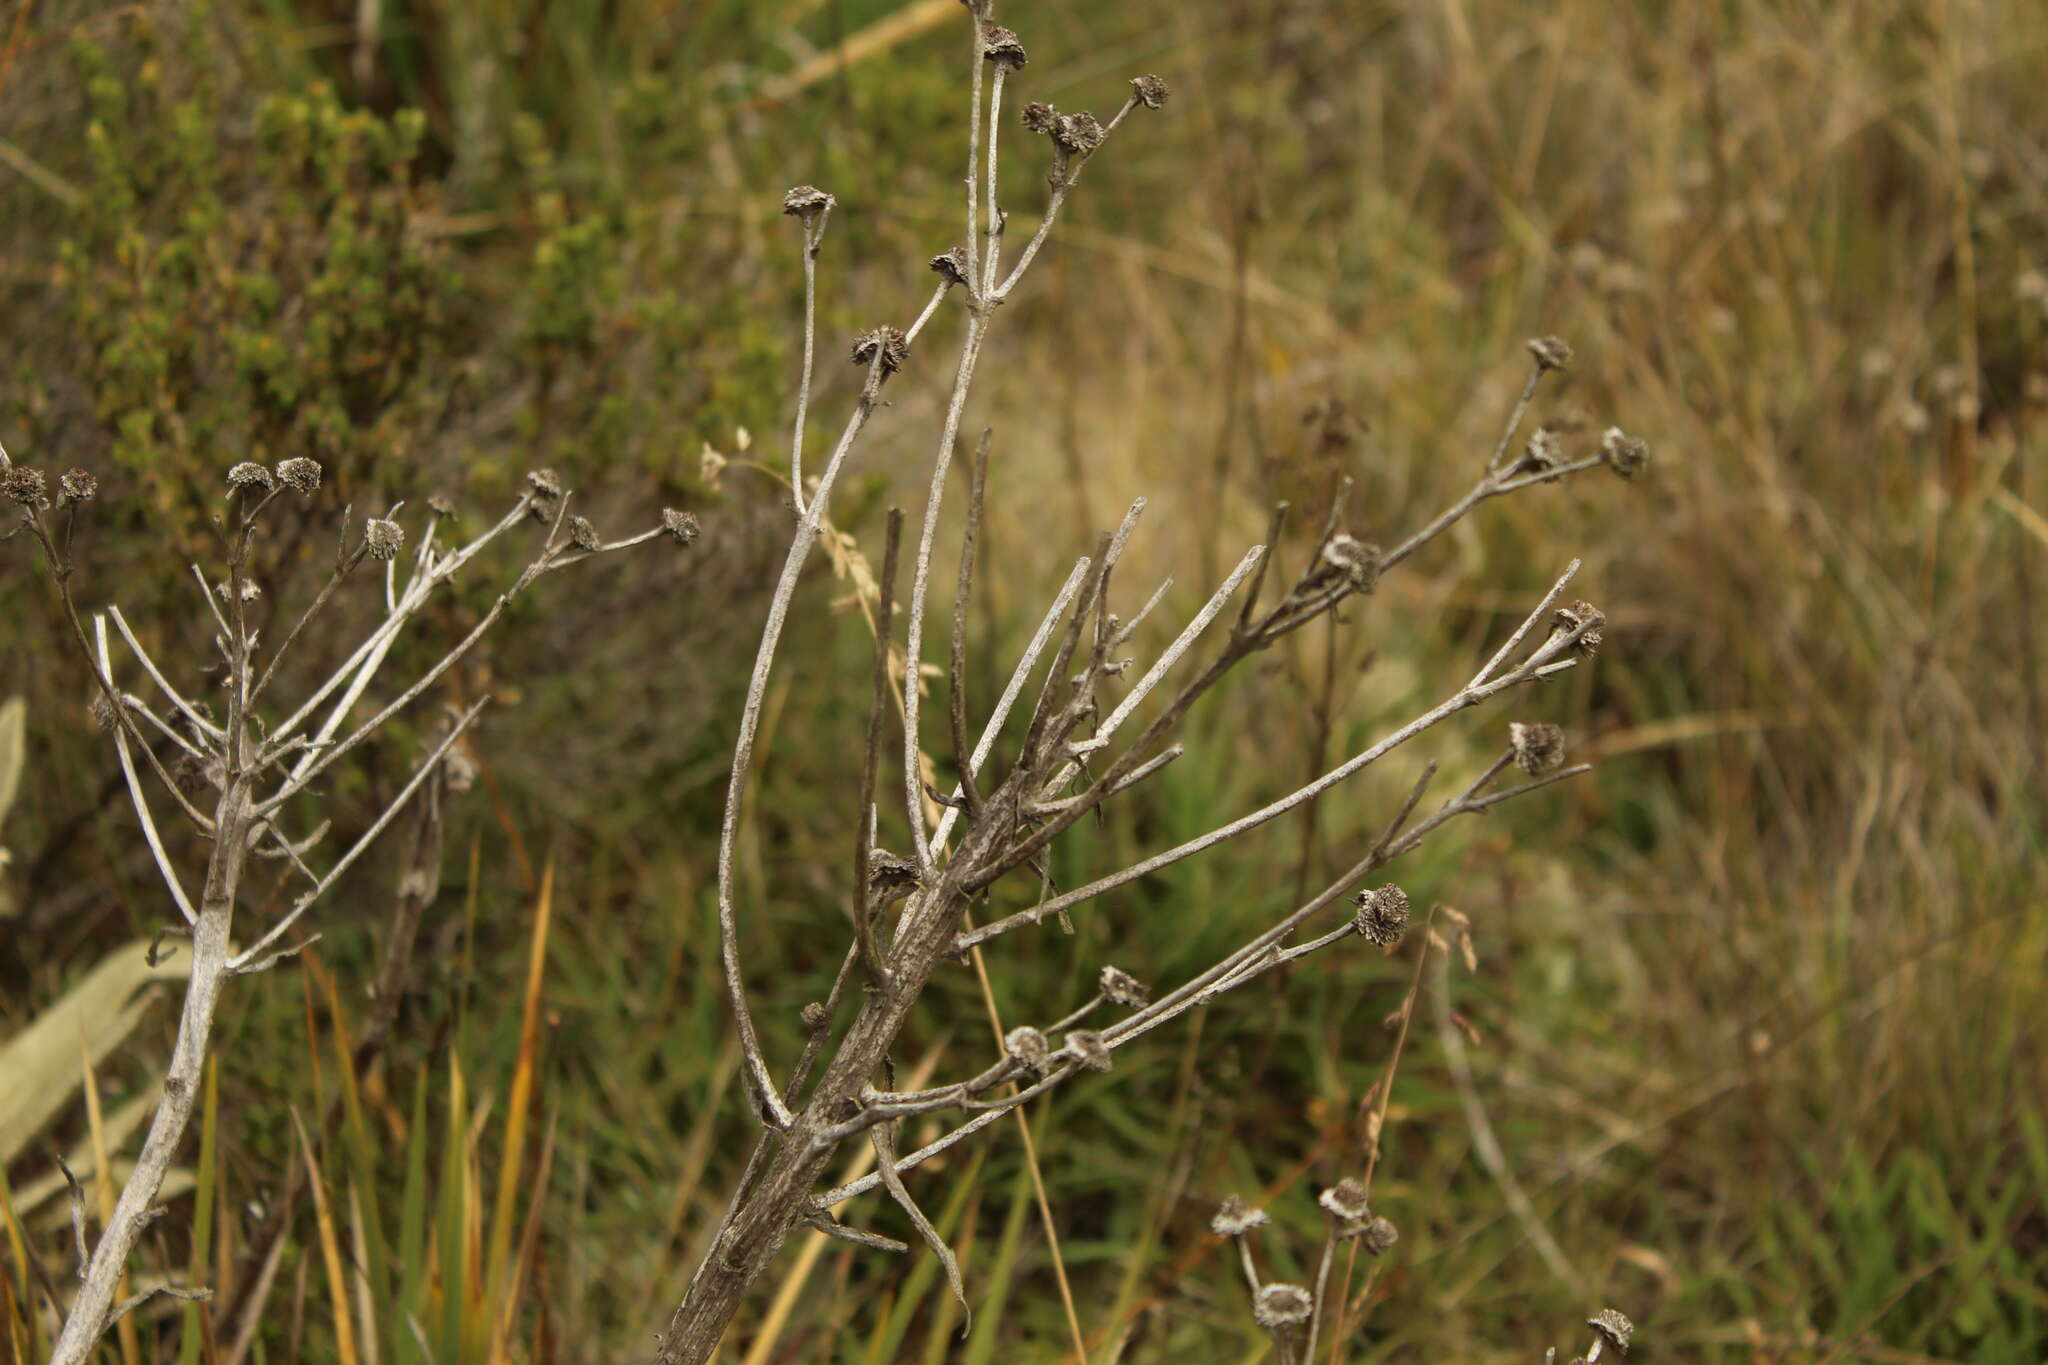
point(681, 526)
point(1552, 353)
point(1280, 1306)
point(1538, 748)
point(1378, 1235)
point(1151, 91)
point(300, 474)
point(1626, 455)
point(75, 487)
point(384, 539)
point(951, 266)
point(249, 474)
point(249, 592)
point(102, 712)
point(1119, 987)
point(1345, 1202)
point(807, 202)
point(1570, 618)
point(1086, 1047)
point(1612, 1327)
point(440, 506)
point(889, 341)
point(458, 770)
point(1382, 916)
point(1040, 118)
point(21, 485)
point(1545, 449)
point(815, 1016)
point(583, 535)
point(1028, 1046)
point(1234, 1218)
point(1355, 559)
point(1001, 46)
point(891, 877)
point(544, 486)
point(1075, 134)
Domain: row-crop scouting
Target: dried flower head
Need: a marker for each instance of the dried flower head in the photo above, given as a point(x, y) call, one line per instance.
point(21, 485)
point(544, 487)
point(1028, 1046)
point(1552, 353)
point(1357, 560)
point(102, 712)
point(1612, 1327)
point(77, 486)
point(583, 535)
point(1345, 1201)
point(458, 770)
point(1119, 987)
point(1569, 619)
point(440, 506)
point(888, 342)
point(1234, 1218)
point(1538, 749)
point(1281, 1306)
point(1087, 1047)
point(383, 538)
point(249, 591)
point(951, 266)
point(815, 1015)
point(1040, 117)
point(807, 202)
point(1150, 90)
point(1378, 1235)
point(300, 474)
point(1077, 134)
point(1382, 916)
point(1001, 46)
point(249, 474)
point(681, 526)
point(1545, 449)
point(891, 876)
point(1626, 455)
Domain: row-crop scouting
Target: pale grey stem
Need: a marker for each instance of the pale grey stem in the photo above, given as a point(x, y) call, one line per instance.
point(776, 1113)
point(920, 587)
point(874, 1241)
point(1054, 203)
point(1521, 408)
point(135, 794)
point(1172, 655)
point(227, 632)
point(378, 640)
point(1130, 627)
point(973, 243)
point(986, 280)
point(1251, 1272)
point(135, 1301)
point(884, 1138)
point(1123, 784)
point(185, 708)
point(931, 306)
point(137, 707)
point(1011, 691)
point(1528, 623)
point(560, 562)
point(305, 902)
point(1315, 1317)
point(812, 237)
point(1550, 475)
point(1469, 697)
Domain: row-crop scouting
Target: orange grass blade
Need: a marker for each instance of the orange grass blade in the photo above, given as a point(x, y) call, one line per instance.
point(330, 1252)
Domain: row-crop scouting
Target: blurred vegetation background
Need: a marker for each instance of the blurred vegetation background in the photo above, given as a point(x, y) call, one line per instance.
point(1757, 1006)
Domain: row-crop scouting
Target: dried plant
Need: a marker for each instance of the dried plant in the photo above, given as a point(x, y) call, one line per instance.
point(912, 911)
point(242, 774)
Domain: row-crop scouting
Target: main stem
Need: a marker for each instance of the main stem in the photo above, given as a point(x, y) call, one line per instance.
point(132, 1213)
point(774, 1205)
